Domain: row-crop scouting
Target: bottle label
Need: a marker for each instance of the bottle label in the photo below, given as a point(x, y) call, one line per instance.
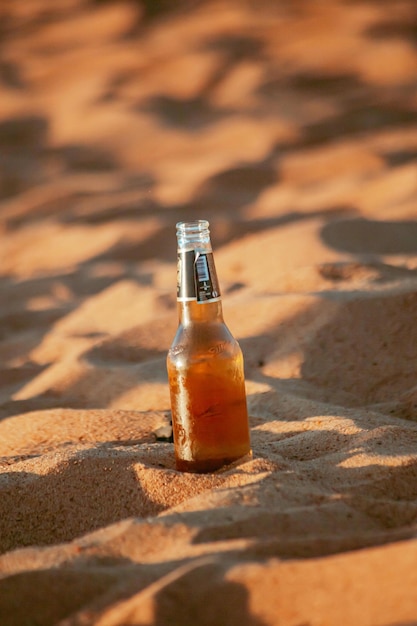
point(196, 277)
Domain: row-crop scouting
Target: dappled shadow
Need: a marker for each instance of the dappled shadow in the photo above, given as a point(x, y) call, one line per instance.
point(234, 188)
point(236, 47)
point(195, 113)
point(341, 87)
point(214, 201)
point(362, 353)
point(14, 378)
point(20, 321)
point(22, 140)
point(400, 157)
point(151, 11)
point(30, 593)
point(138, 344)
point(341, 507)
point(78, 496)
point(368, 349)
point(371, 237)
point(367, 116)
point(394, 28)
point(389, 497)
point(189, 115)
point(214, 599)
point(24, 133)
point(82, 490)
point(11, 75)
point(84, 158)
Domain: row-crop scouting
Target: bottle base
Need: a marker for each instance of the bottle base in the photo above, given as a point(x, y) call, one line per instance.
point(206, 466)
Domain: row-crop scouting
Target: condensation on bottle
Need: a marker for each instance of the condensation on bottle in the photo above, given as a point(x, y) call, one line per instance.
point(205, 364)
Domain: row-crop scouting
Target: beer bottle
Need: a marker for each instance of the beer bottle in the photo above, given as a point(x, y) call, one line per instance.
point(205, 364)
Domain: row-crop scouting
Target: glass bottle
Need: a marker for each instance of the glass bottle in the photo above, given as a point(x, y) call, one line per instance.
point(205, 364)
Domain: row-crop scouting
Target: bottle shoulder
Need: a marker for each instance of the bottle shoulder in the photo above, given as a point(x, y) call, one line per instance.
point(203, 341)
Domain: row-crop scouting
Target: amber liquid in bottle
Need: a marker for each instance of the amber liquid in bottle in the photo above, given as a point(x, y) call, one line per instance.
point(205, 365)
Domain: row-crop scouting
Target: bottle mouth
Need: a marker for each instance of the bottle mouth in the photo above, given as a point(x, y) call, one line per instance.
point(193, 233)
point(194, 227)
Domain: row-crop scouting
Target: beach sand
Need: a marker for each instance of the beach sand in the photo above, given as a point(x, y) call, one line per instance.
point(292, 128)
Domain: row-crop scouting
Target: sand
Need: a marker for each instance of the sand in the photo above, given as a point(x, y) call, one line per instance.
point(292, 128)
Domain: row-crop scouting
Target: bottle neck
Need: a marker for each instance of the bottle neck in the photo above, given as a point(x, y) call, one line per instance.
point(198, 291)
point(193, 312)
